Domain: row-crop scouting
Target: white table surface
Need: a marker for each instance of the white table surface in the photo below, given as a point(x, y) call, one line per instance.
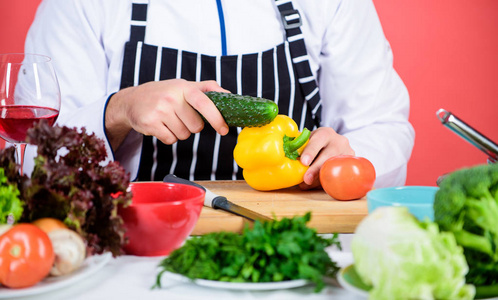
point(131, 277)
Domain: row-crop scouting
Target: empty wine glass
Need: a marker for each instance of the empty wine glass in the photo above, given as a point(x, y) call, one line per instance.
point(29, 92)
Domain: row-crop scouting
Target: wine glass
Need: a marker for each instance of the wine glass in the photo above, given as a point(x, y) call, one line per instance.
point(29, 92)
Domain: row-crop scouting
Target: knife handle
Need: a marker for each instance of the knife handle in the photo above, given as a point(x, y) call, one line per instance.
point(222, 203)
point(210, 196)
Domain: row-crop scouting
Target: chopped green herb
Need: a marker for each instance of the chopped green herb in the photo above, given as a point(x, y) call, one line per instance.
point(271, 251)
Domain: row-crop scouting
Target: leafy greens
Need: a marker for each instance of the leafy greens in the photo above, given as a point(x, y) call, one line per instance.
point(467, 205)
point(70, 182)
point(11, 207)
point(271, 251)
point(403, 258)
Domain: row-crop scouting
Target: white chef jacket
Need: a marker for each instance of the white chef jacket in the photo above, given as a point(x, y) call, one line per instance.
point(363, 98)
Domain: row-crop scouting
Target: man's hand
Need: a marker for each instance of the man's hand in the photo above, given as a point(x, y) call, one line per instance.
point(169, 110)
point(324, 143)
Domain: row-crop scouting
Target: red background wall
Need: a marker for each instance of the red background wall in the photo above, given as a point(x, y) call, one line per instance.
point(446, 51)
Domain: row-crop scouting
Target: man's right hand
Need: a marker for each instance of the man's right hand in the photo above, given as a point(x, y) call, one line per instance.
point(168, 110)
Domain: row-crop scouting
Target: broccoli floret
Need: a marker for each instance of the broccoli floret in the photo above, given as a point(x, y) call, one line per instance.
point(467, 205)
point(448, 205)
point(477, 181)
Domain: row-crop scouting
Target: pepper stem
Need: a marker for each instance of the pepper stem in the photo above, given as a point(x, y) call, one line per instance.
point(292, 144)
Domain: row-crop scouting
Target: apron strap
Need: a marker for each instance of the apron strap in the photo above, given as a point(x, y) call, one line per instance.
point(291, 20)
point(138, 20)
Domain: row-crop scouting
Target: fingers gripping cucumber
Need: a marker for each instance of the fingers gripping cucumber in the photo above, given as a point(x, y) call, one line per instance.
point(244, 111)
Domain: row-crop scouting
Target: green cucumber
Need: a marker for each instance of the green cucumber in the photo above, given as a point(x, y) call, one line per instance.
point(244, 111)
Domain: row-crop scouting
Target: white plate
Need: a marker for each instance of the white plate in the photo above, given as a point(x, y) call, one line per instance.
point(257, 286)
point(89, 267)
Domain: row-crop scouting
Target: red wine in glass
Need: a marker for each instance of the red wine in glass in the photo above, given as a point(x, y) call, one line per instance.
point(15, 120)
point(29, 92)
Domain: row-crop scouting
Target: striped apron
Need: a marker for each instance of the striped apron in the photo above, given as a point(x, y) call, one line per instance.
point(281, 74)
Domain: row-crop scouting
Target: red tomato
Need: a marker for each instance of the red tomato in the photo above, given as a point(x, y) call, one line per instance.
point(347, 177)
point(26, 256)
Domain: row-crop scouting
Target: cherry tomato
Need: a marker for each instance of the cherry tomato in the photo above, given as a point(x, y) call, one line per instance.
point(26, 256)
point(347, 177)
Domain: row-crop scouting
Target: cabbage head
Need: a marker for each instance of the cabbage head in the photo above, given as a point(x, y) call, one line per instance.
point(404, 258)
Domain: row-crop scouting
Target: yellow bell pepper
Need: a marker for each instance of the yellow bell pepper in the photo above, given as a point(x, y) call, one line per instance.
point(269, 155)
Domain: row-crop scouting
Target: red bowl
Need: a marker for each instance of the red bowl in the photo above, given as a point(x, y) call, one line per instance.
point(161, 216)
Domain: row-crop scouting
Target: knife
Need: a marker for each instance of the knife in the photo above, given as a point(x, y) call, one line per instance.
point(220, 202)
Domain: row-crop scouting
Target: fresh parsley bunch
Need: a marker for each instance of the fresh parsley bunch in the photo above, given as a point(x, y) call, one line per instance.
point(271, 251)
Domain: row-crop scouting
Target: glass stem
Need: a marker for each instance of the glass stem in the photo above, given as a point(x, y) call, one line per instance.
point(20, 156)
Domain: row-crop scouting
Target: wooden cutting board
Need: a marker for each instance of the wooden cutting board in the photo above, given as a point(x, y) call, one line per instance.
point(327, 215)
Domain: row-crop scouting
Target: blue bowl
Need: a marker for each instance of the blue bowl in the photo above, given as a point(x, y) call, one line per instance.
point(418, 199)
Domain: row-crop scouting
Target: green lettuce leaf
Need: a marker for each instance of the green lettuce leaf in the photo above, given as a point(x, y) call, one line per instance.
point(11, 207)
point(403, 258)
